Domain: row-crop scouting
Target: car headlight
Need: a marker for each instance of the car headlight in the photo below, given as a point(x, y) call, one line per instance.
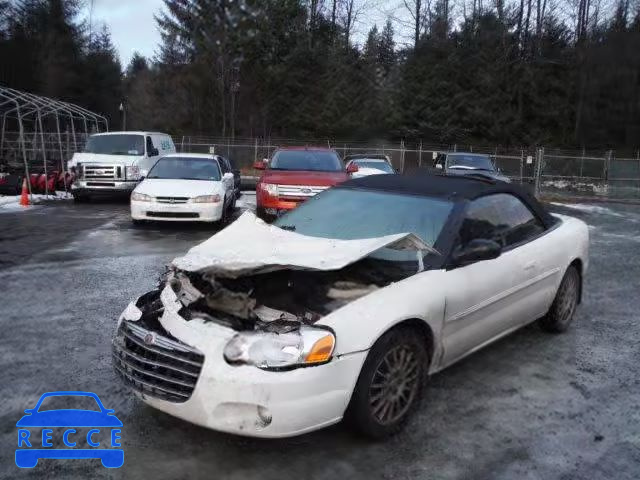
point(267, 350)
point(141, 197)
point(206, 199)
point(132, 172)
point(270, 188)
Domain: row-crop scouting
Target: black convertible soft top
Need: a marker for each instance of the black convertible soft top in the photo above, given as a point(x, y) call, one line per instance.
point(455, 188)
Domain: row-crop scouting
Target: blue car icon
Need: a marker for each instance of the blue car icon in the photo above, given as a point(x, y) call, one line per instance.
point(29, 452)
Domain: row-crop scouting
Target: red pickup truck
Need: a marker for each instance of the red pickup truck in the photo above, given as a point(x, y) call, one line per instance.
point(293, 175)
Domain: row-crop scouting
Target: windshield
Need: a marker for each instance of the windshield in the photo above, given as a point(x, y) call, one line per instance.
point(314, 160)
point(476, 162)
point(353, 214)
point(186, 168)
point(115, 144)
point(382, 166)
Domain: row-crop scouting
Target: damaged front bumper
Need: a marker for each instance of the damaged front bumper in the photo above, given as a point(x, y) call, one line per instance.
point(243, 400)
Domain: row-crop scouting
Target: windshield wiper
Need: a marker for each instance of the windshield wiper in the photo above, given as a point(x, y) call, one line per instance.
point(290, 228)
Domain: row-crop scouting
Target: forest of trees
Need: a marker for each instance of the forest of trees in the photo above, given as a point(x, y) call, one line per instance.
point(561, 72)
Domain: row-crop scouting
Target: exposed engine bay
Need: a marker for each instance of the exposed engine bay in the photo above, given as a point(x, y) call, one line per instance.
point(278, 301)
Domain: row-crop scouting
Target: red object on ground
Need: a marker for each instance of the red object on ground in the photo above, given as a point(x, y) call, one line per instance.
point(33, 180)
point(24, 198)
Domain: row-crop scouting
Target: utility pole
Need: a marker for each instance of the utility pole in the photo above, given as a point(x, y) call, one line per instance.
point(124, 116)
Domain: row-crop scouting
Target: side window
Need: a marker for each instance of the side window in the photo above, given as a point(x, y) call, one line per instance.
point(149, 146)
point(223, 165)
point(501, 217)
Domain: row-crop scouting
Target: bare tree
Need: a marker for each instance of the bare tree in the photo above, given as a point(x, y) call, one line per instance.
point(417, 10)
point(349, 15)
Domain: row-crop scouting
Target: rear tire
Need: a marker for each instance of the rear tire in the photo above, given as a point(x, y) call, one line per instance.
point(224, 218)
point(390, 384)
point(563, 309)
point(137, 223)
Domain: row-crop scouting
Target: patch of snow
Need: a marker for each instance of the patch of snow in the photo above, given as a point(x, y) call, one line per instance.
point(589, 208)
point(11, 203)
point(597, 188)
point(247, 201)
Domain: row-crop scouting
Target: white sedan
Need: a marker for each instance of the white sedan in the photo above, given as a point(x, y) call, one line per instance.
point(342, 310)
point(185, 187)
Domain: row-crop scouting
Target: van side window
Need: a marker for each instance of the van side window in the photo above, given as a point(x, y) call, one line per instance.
point(149, 145)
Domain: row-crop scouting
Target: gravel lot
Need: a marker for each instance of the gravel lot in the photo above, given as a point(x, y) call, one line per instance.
point(530, 406)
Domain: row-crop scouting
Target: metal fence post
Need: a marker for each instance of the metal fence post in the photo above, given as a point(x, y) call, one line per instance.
point(521, 165)
point(420, 155)
point(255, 149)
point(539, 160)
point(402, 156)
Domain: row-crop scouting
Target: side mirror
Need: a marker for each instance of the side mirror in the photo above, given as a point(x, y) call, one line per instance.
point(475, 251)
point(260, 165)
point(439, 166)
point(352, 168)
point(227, 175)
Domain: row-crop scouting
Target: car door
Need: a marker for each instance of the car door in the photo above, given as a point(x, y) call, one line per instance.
point(489, 298)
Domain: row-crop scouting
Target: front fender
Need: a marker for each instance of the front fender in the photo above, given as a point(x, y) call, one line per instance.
point(360, 323)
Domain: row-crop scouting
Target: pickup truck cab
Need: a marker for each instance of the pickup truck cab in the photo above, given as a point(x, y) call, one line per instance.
point(293, 175)
point(113, 162)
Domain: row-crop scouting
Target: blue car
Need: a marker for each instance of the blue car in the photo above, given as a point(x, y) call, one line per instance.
point(29, 452)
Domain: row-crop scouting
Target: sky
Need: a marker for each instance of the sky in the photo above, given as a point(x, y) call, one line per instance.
point(133, 27)
point(131, 23)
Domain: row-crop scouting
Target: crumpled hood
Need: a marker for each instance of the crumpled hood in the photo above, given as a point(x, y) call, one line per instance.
point(250, 246)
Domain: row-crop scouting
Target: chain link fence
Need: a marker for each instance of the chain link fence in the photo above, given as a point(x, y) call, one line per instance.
point(547, 171)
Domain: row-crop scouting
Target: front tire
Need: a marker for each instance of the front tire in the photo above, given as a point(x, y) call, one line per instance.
point(390, 384)
point(564, 306)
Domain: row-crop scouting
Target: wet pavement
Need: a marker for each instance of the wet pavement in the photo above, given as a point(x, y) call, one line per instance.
point(531, 406)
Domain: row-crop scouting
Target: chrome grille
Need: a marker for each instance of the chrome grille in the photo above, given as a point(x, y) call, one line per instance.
point(172, 199)
point(299, 190)
point(154, 364)
point(100, 172)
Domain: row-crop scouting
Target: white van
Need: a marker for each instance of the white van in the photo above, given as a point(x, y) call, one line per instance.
point(113, 162)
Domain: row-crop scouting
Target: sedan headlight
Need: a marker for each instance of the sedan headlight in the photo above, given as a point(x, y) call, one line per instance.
point(206, 199)
point(141, 197)
point(271, 189)
point(132, 172)
point(306, 346)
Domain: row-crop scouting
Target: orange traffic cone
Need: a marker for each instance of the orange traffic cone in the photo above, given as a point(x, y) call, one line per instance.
point(24, 197)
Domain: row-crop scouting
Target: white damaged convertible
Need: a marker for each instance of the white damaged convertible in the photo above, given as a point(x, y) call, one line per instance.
point(344, 307)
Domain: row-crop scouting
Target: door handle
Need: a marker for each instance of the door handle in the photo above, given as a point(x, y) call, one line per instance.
point(530, 265)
